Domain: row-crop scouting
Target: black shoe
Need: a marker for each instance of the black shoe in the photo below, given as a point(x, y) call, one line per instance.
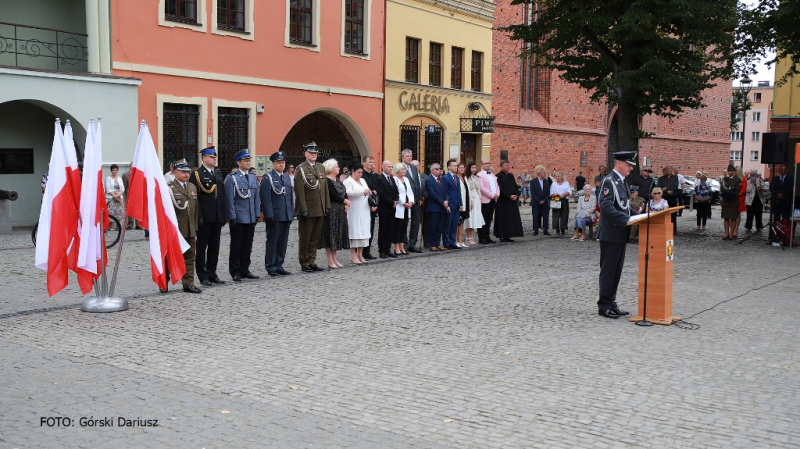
point(369, 256)
point(483, 242)
point(392, 255)
point(162, 290)
point(316, 268)
point(207, 282)
point(236, 278)
point(620, 312)
point(535, 233)
point(507, 240)
point(545, 233)
point(608, 314)
point(272, 273)
point(453, 247)
point(383, 256)
point(414, 250)
point(250, 275)
point(307, 269)
point(192, 289)
point(491, 241)
point(217, 280)
point(283, 272)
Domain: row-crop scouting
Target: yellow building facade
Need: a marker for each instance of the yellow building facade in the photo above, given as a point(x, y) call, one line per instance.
point(438, 96)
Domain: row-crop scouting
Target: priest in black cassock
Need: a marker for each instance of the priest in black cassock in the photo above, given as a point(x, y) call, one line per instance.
point(507, 223)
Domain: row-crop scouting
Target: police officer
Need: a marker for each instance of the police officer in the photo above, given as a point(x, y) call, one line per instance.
point(210, 185)
point(244, 208)
point(615, 211)
point(278, 207)
point(313, 204)
point(184, 199)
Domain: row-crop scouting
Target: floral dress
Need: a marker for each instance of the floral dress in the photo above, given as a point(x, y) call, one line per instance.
point(335, 233)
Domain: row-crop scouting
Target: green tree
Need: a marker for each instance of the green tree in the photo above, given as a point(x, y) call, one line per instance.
point(767, 26)
point(643, 56)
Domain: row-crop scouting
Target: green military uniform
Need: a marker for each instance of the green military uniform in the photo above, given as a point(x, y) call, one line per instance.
point(636, 204)
point(312, 201)
point(184, 199)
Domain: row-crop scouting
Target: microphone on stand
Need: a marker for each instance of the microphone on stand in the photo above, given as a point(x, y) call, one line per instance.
point(643, 321)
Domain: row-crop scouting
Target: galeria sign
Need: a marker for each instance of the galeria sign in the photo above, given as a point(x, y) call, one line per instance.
point(424, 103)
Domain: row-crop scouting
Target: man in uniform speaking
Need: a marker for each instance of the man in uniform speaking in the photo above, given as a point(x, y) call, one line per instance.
point(615, 211)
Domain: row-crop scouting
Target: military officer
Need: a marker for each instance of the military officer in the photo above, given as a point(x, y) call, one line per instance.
point(615, 210)
point(313, 204)
point(244, 208)
point(184, 199)
point(278, 207)
point(210, 185)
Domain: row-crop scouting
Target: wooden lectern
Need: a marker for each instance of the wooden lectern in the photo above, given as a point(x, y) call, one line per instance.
point(659, 268)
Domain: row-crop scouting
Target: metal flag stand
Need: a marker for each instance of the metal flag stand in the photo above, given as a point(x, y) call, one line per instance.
point(104, 300)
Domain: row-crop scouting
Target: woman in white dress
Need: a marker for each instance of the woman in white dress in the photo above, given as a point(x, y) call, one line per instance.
point(358, 216)
point(405, 199)
point(475, 220)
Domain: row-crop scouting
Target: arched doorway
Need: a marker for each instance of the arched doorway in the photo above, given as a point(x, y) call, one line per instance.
point(331, 135)
point(424, 136)
point(27, 130)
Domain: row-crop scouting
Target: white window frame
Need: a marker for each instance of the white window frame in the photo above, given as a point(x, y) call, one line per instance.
point(217, 103)
point(756, 117)
point(756, 136)
point(736, 155)
point(736, 136)
point(249, 25)
point(367, 32)
point(202, 18)
point(201, 102)
point(754, 155)
point(316, 44)
point(757, 97)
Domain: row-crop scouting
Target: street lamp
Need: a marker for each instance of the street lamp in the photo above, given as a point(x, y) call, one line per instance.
point(745, 84)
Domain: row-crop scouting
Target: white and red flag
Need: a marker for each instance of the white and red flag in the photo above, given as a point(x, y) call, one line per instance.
point(150, 203)
point(59, 216)
point(92, 255)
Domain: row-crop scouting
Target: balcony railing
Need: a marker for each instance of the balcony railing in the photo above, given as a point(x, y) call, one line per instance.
point(42, 48)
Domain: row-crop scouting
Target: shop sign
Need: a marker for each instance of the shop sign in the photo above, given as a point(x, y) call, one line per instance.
point(437, 104)
point(483, 125)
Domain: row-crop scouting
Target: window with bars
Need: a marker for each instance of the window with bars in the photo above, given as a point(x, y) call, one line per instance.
point(180, 130)
point(354, 26)
point(181, 10)
point(412, 60)
point(457, 68)
point(477, 70)
point(230, 15)
point(233, 134)
point(409, 139)
point(435, 65)
point(301, 13)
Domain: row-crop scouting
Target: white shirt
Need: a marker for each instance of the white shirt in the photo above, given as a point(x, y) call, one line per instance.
point(560, 189)
point(492, 182)
point(681, 181)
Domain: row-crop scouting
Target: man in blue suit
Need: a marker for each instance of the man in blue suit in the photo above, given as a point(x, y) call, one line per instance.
point(278, 207)
point(244, 208)
point(540, 200)
point(452, 193)
point(436, 209)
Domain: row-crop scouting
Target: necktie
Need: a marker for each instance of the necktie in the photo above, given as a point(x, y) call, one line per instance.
point(281, 178)
point(440, 183)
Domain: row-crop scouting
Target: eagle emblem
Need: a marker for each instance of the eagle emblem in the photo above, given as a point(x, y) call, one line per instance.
point(605, 191)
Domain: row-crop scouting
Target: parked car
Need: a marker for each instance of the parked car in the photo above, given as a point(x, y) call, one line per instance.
point(688, 189)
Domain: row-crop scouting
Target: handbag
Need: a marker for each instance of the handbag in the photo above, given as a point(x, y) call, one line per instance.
point(555, 204)
point(373, 199)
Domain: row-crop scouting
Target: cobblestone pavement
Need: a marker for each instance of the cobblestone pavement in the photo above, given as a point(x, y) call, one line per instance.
point(494, 346)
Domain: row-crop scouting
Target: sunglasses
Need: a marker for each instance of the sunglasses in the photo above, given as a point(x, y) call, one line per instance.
point(656, 193)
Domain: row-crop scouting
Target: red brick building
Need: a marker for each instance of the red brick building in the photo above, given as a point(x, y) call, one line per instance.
point(541, 119)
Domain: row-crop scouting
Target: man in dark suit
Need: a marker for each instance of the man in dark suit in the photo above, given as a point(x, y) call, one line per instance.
point(413, 176)
point(540, 200)
point(210, 185)
point(423, 180)
point(436, 209)
point(452, 193)
point(781, 189)
point(615, 211)
point(388, 195)
point(278, 207)
point(244, 208)
point(371, 178)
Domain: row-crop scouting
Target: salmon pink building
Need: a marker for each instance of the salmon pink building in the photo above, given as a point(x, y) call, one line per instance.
point(263, 75)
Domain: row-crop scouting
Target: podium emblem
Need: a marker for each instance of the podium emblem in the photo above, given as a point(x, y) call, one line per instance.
point(670, 250)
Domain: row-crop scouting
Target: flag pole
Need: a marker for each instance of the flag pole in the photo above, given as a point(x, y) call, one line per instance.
point(107, 302)
point(119, 251)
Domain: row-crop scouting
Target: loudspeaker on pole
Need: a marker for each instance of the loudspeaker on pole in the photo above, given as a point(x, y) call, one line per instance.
point(773, 148)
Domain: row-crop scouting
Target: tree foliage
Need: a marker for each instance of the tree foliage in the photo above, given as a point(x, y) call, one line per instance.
point(656, 55)
point(767, 26)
